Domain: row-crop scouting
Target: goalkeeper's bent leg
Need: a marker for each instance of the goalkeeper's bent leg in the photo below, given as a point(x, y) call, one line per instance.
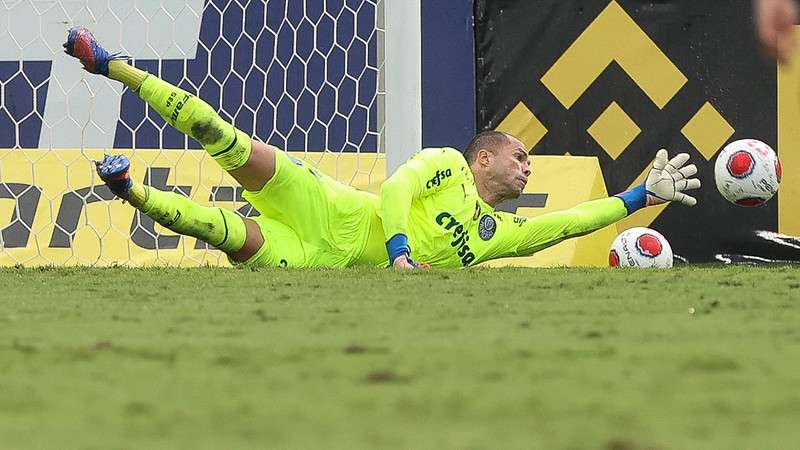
point(250, 162)
point(224, 229)
point(219, 227)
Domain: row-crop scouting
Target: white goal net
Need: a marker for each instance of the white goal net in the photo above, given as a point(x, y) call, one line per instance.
point(303, 75)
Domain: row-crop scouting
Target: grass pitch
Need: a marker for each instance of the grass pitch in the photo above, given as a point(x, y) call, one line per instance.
point(472, 359)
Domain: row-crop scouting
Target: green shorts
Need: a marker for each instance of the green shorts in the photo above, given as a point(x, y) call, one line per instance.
point(311, 220)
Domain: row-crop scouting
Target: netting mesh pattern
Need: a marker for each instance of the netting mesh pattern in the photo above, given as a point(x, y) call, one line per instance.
point(301, 75)
point(23, 89)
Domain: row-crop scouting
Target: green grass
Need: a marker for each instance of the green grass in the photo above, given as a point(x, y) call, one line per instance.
point(477, 359)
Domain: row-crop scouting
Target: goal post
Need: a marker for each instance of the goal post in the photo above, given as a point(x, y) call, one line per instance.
point(403, 75)
point(337, 82)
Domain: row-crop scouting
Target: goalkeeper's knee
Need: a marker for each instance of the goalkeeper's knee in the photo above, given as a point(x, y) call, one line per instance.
point(192, 116)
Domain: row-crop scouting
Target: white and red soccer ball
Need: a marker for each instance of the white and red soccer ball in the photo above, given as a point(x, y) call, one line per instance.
point(640, 247)
point(747, 172)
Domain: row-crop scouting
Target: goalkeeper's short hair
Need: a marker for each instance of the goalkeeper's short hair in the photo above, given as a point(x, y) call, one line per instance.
point(488, 139)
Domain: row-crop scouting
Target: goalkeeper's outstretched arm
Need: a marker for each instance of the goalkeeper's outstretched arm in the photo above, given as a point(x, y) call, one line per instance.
point(666, 182)
point(523, 236)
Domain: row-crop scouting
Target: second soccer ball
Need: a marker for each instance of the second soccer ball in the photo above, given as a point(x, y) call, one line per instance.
point(640, 247)
point(747, 172)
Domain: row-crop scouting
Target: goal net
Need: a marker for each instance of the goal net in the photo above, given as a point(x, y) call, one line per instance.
point(305, 76)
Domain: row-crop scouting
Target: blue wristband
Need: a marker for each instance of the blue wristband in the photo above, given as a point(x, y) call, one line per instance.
point(396, 246)
point(634, 198)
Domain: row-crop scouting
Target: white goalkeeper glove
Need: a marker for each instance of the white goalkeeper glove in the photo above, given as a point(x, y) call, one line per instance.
point(668, 179)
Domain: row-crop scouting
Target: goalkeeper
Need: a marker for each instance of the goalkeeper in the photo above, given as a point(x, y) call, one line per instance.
point(438, 208)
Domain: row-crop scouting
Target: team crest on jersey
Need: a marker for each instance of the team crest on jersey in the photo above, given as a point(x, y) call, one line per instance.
point(486, 227)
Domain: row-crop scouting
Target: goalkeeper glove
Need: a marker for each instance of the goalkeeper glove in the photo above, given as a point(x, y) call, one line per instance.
point(665, 183)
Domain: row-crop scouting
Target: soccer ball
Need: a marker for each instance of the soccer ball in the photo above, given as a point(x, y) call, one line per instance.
point(747, 172)
point(640, 247)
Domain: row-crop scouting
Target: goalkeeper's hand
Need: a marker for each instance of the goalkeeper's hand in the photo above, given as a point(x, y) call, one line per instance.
point(404, 262)
point(400, 253)
point(668, 179)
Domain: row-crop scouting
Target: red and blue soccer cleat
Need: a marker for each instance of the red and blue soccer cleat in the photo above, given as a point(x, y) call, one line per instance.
point(82, 44)
point(113, 170)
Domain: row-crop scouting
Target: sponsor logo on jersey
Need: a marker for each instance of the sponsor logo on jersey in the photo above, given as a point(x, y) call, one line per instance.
point(519, 220)
point(437, 179)
point(460, 237)
point(486, 227)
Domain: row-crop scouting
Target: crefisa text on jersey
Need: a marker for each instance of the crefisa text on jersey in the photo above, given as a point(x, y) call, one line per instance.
point(460, 237)
point(438, 178)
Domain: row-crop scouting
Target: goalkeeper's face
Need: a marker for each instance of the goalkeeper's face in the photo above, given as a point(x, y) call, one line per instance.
point(510, 168)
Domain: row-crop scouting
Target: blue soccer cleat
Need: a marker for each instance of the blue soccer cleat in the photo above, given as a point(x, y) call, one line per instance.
point(82, 44)
point(113, 170)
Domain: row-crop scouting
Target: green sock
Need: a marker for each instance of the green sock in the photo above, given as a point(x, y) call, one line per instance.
point(188, 114)
point(192, 116)
point(130, 76)
point(219, 227)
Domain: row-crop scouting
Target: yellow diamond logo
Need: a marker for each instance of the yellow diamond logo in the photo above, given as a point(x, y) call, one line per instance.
point(521, 122)
point(707, 130)
point(614, 130)
point(614, 36)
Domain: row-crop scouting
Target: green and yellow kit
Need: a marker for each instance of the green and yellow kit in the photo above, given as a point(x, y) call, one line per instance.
point(311, 220)
point(433, 200)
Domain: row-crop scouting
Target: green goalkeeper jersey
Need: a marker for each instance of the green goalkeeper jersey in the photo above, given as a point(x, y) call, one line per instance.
point(432, 200)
